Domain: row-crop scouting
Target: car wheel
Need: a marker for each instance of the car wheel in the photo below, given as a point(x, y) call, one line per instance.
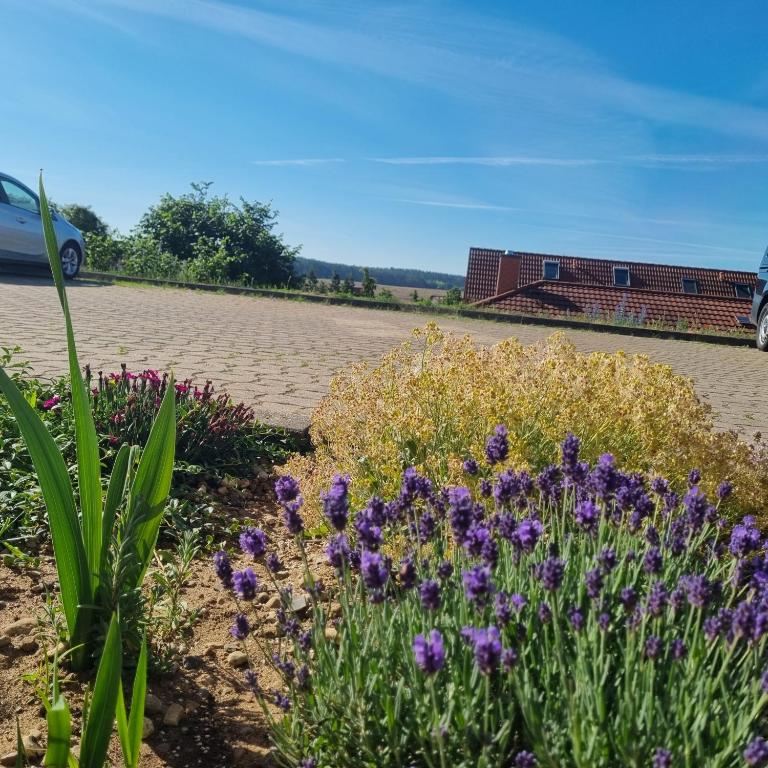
point(70, 261)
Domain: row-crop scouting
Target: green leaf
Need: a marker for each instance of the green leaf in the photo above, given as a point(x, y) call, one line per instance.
point(131, 729)
point(101, 714)
point(20, 756)
point(71, 562)
point(149, 491)
point(59, 733)
point(118, 483)
point(88, 464)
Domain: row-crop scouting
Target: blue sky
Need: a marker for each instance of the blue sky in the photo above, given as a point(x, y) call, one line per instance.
point(401, 134)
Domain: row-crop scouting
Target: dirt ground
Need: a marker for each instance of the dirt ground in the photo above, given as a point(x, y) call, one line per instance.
point(222, 724)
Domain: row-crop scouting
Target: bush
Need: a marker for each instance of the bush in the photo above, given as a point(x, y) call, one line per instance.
point(143, 257)
point(103, 253)
point(585, 617)
point(430, 403)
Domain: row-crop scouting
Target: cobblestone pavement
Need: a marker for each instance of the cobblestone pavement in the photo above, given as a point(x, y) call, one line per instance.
point(279, 355)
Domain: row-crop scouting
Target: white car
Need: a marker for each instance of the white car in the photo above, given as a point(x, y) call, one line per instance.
point(21, 230)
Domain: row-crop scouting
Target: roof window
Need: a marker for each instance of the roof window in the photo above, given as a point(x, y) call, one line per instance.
point(551, 270)
point(690, 285)
point(621, 276)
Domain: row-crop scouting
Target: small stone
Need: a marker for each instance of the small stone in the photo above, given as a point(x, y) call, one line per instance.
point(299, 604)
point(147, 729)
point(273, 602)
point(335, 610)
point(59, 651)
point(173, 714)
point(28, 646)
point(269, 631)
point(237, 659)
point(32, 745)
point(263, 597)
point(5, 641)
point(210, 650)
point(21, 627)
point(192, 662)
point(9, 758)
point(331, 633)
point(153, 705)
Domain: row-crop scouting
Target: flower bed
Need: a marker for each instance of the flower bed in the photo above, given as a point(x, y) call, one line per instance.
point(584, 616)
point(430, 403)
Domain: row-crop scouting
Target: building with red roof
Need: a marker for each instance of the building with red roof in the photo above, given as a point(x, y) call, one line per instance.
point(619, 291)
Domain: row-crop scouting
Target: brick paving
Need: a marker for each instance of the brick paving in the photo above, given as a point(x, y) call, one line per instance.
point(279, 355)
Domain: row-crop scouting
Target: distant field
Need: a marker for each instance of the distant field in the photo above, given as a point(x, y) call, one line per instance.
point(404, 294)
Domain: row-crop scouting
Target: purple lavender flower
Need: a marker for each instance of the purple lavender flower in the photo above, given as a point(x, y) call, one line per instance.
point(576, 618)
point(460, 511)
point(245, 584)
point(505, 524)
point(660, 486)
point(486, 488)
point(544, 613)
point(374, 570)
point(407, 573)
point(764, 682)
point(745, 537)
point(699, 590)
point(570, 453)
point(475, 538)
point(662, 758)
point(518, 602)
point(291, 517)
point(756, 753)
point(223, 568)
point(628, 598)
point(429, 592)
point(678, 649)
point(652, 536)
point(607, 559)
point(427, 527)
point(240, 628)
point(282, 701)
point(286, 489)
point(445, 570)
point(724, 490)
point(253, 542)
point(695, 506)
point(551, 573)
point(694, 478)
point(497, 446)
point(251, 681)
point(653, 647)
point(273, 562)
point(309, 762)
point(338, 551)
point(509, 659)
point(305, 640)
point(657, 598)
point(594, 581)
point(470, 466)
point(653, 560)
point(603, 479)
point(548, 482)
point(587, 516)
point(477, 584)
point(527, 534)
point(604, 621)
point(302, 676)
point(336, 502)
point(429, 653)
point(502, 608)
point(369, 533)
point(415, 486)
point(525, 760)
point(487, 647)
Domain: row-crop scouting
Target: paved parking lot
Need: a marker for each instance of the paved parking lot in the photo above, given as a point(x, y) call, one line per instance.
point(279, 355)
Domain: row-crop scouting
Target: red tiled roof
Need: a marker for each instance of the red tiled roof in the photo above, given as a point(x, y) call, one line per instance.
point(608, 302)
point(483, 267)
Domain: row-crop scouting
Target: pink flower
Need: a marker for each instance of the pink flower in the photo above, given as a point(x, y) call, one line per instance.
point(48, 404)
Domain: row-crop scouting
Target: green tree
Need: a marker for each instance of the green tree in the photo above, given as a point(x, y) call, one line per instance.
point(312, 280)
point(221, 241)
point(335, 286)
point(369, 284)
point(348, 286)
point(84, 218)
point(452, 297)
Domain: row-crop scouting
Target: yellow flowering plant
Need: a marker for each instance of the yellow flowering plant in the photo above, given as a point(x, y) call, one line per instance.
point(432, 401)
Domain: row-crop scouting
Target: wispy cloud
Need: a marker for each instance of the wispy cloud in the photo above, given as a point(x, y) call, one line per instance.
point(478, 59)
point(301, 161)
point(465, 206)
point(651, 160)
point(500, 162)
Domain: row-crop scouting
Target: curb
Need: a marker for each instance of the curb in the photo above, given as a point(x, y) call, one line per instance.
point(472, 314)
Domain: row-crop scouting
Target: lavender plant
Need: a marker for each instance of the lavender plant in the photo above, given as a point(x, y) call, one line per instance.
point(583, 617)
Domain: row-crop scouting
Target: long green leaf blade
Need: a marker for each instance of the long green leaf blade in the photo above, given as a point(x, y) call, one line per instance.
point(131, 729)
point(101, 717)
point(59, 734)
point(149, 491)
point(71, 562)
point(118, 482)
point(88, 465)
